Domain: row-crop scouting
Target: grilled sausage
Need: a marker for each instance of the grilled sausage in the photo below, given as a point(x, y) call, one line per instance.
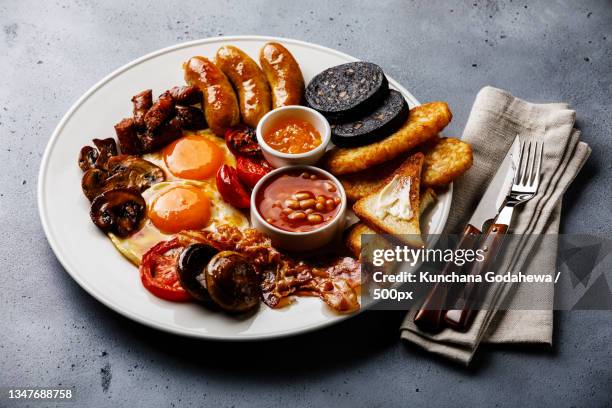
point(220, 104)
point(161, 110)
point(168, 132)
point(283, 73)
point(186, 95)
point(142, 103)
point(248, 80)
point(190, 117)
point(127, 136)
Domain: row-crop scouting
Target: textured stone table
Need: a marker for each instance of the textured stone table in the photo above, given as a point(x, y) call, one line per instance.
point(52, 333)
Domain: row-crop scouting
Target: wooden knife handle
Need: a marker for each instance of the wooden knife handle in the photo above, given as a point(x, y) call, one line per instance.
point(461, 317)
point(430, 316)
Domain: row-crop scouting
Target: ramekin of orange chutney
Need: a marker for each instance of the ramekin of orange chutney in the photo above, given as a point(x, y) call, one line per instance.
point(293, 135)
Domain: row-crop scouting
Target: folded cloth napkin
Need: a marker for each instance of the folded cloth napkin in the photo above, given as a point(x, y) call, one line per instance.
point(495, 120)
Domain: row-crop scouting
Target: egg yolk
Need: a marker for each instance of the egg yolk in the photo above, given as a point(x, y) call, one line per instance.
point(193, 157)
point(180, 208)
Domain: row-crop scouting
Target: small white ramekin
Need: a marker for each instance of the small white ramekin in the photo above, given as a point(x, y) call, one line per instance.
point(300, 241)
point(279, 159)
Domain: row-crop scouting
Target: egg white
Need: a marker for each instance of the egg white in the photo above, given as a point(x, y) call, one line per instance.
point(136, 245)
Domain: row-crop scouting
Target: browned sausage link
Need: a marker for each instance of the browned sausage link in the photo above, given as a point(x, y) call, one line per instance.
point(220, 104)
point(248, 79)
point(190, 117)
point(142, 103)
point(186, 95)
point(128, 137)
point(283, 73)
point(163, 135)
point(161, 110)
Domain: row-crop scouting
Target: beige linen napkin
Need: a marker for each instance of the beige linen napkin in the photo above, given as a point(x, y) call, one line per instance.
point(496, 118)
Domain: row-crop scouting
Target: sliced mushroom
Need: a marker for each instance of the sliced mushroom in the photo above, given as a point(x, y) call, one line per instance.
point(87, 158)
point(118, 211)
point(121, 171)
point(192, 270)
point(93, 182)
point(132, 172)
point(125, 162)
point(108, 145)
point(232, 282)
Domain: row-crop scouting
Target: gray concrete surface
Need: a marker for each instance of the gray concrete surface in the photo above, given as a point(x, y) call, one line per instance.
point(53, 334)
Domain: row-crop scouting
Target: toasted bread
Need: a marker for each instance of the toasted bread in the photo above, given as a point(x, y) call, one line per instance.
point(363, 183)
point(352, 239)
point(354, 233)
point(428, 198)
point(407, 226)
point(424, 122)
point(446, 160)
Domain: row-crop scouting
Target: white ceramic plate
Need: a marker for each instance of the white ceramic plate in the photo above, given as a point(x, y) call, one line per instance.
point(89, 256)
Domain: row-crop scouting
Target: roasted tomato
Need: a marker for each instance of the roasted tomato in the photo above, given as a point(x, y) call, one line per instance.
point(158, 271)
point(251, 169)
point(242, 141)
point(230, 187)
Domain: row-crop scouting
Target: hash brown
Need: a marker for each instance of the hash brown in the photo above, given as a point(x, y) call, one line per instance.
point(424, 122)
point(445, 161)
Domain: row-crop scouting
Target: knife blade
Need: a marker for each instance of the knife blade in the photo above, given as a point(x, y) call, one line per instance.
point(495, 194)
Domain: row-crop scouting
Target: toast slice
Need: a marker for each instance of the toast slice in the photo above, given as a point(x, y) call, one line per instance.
point(366, 182)
point(395, 208)
point(428, 199)
point(354, 233)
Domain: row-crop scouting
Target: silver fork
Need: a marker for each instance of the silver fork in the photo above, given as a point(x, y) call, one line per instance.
point(524, 188)
point(526, 180)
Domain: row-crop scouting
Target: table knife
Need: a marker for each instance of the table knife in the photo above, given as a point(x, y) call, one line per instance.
point(430, 316)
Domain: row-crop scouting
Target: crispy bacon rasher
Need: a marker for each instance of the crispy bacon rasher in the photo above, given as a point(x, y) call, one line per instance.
point(336, 280)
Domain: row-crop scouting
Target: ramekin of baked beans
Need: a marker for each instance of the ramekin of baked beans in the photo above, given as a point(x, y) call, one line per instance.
point(299, 207)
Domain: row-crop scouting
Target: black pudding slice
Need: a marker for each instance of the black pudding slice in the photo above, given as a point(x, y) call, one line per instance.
point(384, 120)
point(347, 91)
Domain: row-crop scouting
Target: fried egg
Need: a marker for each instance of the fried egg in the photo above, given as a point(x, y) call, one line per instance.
point(189, 199)
point(195, 156)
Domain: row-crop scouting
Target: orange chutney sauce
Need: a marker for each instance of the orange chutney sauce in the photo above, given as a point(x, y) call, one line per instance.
point(293, 136)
